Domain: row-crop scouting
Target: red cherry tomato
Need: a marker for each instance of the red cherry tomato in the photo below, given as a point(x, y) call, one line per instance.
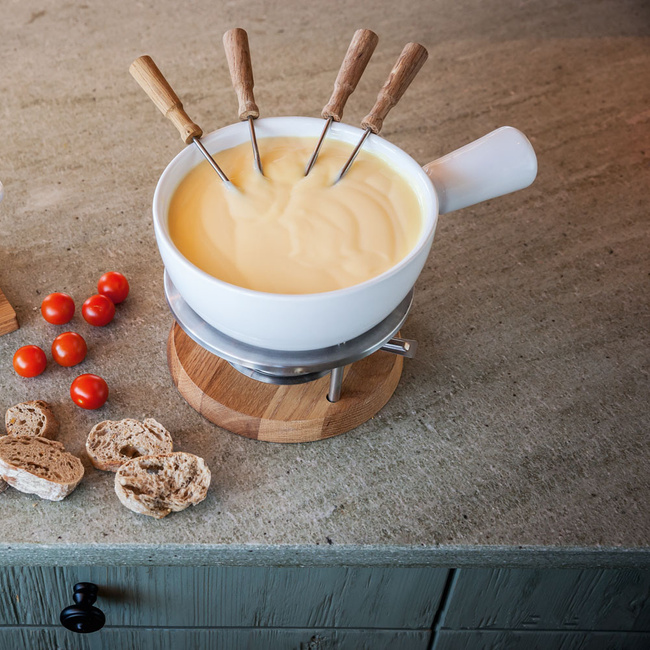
point(69, 349)
point(113, 285)
point(98, 310)
point(29, 361)
point(89, 391)
point(57, 308)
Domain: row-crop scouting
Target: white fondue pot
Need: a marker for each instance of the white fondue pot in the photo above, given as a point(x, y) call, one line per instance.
point(501, 162)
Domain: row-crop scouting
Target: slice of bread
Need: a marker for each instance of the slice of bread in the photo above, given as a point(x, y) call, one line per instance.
point(31, 419)
point(158, 485)
point(111, 443)
point(39, 466)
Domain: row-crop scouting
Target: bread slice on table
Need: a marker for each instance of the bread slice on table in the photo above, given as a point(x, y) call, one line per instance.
point(33, 418)
point(158, 485)
point(39, 466)
point(111, 443)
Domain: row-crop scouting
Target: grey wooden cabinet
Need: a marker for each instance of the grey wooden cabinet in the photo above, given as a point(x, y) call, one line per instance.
point(191, 608)
point(225, 607)
point(546, 609)
point(212, 639)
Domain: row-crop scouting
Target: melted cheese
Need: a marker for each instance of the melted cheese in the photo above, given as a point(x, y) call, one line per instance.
point(287, 233)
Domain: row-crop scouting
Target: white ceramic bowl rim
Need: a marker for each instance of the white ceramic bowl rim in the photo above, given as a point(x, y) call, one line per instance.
point(390, 153)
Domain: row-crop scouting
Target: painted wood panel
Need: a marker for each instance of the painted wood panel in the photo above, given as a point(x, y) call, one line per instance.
point(229, 596)
point(13, 638)
point(550, 599)
point(538, 640)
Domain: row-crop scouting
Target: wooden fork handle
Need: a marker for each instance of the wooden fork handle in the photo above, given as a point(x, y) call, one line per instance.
point(152, 81)
point(407, 66)
point(235, 42)
point(356, 59)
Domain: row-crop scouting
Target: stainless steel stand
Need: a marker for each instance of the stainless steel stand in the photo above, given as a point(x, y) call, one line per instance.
point(286, 367)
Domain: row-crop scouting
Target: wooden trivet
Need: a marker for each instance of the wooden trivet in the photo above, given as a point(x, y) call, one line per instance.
point(298, 413)
point(8, 320)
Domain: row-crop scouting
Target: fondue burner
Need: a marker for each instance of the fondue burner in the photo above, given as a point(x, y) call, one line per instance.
point(284, 396)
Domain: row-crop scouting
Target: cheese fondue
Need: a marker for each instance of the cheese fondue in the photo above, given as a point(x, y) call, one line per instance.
point(287, 233)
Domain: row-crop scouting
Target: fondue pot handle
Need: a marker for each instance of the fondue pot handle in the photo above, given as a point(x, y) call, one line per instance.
point(356, 59)
point(407, 66)
point(152, 81)
point(238, 53)
point(500, 162)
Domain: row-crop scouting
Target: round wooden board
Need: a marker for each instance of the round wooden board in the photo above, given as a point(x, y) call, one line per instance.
point(299, 413)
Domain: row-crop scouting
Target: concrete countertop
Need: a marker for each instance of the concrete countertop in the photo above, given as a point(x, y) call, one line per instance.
point(520, 432)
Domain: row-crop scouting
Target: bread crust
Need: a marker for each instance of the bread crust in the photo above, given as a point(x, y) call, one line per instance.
point(157, 485)
point(39, 466)
point(113, 442)
point(33, 418)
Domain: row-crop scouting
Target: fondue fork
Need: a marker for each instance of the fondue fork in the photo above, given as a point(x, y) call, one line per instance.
point(152, 81)
point(356, 59)
point(235, 42)
point(407, 66)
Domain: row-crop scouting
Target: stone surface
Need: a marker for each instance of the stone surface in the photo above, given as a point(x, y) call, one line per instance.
point(524, 419)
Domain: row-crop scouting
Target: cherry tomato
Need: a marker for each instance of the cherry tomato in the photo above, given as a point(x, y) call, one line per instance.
point(69, 349)
point(29, 361)
point(113, 285)
point(57, 308)
point(89, 391)
point(98, 310)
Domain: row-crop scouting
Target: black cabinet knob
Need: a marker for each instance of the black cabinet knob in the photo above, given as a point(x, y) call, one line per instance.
point(83, 617)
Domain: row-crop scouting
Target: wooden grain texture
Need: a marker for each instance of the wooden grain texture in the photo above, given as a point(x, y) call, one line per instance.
point(356, 59)
point(550, 599)
point(229, 596)
point(538, 640)
point(223, 639)
point(152, 81)
point(274, 413)
point(8, 320)
point(406, 67)
point(238, 53)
